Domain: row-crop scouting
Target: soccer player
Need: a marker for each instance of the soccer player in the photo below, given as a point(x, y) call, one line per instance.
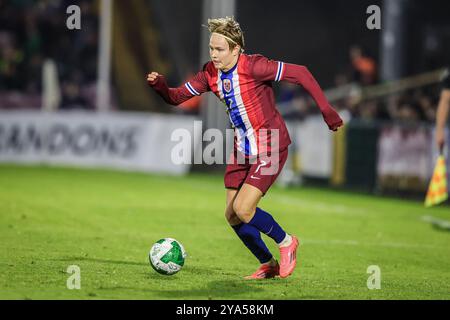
point(244, 83)
point(442, 111)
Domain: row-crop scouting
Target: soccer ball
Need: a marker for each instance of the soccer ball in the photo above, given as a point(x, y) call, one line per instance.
point(167, 256)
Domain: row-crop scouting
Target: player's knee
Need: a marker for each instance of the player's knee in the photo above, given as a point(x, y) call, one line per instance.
point(231, 216)
point(243, 211)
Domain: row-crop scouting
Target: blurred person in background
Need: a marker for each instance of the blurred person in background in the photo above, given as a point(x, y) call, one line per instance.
point(11, 64)
point(244, 84)
point(363, 66)
point(427, 108)
point(287, 92)
point(442, 111)
point(407, 112)
point(72, 99)
point(292, 104)
point(368, 110)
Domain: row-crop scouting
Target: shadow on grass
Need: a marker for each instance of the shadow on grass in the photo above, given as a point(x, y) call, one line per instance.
point(230, 286)
point(78, 259)
point(217, 289)
point(440, 228)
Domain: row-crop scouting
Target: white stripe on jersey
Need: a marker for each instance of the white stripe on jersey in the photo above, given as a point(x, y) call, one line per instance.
point(243, 113)
point(191, 89)
point(279, 71)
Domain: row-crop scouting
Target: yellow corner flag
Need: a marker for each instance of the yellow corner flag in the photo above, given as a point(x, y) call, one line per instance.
point(437, 190)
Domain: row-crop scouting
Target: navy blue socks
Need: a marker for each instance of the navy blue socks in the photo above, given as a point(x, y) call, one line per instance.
point(265, 223)
point(249, 233)
point(251, 237)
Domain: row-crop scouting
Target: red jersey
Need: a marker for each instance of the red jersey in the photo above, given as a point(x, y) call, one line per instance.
point(246, 90)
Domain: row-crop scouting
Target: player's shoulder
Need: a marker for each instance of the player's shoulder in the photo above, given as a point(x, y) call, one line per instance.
point(256, 57)
point(253, 63)
point(260, 61)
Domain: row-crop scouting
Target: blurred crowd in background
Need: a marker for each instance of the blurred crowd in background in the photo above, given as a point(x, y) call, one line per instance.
point(408, 106)
point(31, 32)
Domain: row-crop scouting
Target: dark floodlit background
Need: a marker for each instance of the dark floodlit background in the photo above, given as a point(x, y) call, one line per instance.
point(385, 83)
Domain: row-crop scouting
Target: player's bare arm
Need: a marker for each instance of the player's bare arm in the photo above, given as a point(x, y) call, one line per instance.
point(441, 117)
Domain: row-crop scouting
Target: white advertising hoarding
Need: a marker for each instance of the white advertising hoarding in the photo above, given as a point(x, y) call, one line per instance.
point(315, 147)
point(129, 141)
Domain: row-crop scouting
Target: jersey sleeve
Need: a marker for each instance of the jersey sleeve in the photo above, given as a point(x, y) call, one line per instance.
point(198, 84)
point(264, 69)
point(195, 86)
point(300, 75)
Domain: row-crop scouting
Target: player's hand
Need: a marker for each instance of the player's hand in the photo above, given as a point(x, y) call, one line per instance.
point(332, 119)
point(440, 138)
point(152, 77)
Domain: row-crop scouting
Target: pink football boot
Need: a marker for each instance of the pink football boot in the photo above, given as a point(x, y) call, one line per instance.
point(288, 258)
point(265, 272)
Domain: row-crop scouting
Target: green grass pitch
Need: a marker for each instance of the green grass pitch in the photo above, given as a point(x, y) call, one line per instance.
point(105, 222)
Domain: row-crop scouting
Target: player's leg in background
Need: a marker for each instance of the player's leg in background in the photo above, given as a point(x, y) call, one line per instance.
point(248, 234)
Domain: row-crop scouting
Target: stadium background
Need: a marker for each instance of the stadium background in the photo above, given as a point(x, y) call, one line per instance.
point(386, 90)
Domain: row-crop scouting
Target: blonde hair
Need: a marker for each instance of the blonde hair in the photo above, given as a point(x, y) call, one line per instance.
point(229, 29)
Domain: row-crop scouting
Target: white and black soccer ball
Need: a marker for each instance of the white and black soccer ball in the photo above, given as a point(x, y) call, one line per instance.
point(167, 256)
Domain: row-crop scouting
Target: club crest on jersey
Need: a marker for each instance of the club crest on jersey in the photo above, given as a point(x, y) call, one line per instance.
point(227, 85)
